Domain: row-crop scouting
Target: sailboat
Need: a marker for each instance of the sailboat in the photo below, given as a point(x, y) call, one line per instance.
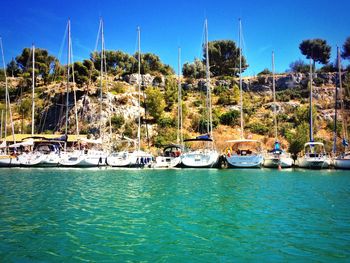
point(171, 156)
point(207, 156)
point(136, 158)
point(314, 156)
point(243, 153)
point(45, 152)
point(8, 157)
point(276, 158)
point(342, 161)
point(90, 152)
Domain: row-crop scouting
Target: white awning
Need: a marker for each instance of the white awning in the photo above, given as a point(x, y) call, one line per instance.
point(28, 142)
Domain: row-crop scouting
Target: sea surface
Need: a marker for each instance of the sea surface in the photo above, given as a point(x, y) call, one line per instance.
point(114, 215)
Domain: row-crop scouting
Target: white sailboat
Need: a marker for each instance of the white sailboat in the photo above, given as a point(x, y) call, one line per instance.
point(342, 160)
point(243, 153)
point(8, 156)
point(314, 155)
point(207, 156)
point(136, 158)
point(45, 153)
point(89, 152)
point(276, 158)
point(171, 156)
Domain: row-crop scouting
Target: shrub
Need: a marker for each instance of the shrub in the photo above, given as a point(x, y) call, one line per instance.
point(259, 128)
point(117, 121)
point(230, 118)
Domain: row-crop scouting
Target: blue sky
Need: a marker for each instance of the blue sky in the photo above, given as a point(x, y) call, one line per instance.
point(165, 25)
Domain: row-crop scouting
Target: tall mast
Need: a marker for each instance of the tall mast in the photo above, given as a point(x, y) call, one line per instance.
point(33, 87)
point(344, 126)
point(179, 108)
point(274, 95)
point(311, 122)
point(336, 104)
point(139, 88)
point(101, 77)
point(68, 76)
point(2, 120)
point(210, 124)
point(240, 76)
point(7, 98)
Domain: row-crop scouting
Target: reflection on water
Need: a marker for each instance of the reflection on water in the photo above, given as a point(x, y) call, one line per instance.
point(174, 215)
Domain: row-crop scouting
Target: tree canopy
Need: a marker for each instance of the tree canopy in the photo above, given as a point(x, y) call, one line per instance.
point(118, 62)
point(316, 49)
point(44, 62)
point(195, 69)
point(346, 49)
point(224, 58)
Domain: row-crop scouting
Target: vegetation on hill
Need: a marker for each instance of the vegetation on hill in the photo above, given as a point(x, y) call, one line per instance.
point(159, 96)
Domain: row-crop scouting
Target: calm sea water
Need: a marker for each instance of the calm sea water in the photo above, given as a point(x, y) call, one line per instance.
point(115, 215)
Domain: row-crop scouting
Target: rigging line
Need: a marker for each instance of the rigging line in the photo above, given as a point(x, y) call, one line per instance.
point(62, 43)
point(98, 35)
point(74, 89)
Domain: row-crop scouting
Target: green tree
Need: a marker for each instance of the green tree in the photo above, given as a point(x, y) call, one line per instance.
point(194, 70)
point(154, 102)
point(346, 49)
point(299, 66)
point(12, 69)
point(81, 73)
point(224, 58)
point(230, 118)
point(266, 71)
point(44, 62)
point(316, 49)
point(297, 138)
point(170, 92)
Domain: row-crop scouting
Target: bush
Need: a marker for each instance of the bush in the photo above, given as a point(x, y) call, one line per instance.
point(117, 121)
point(259, 128)
point(118, 88)
point(165, 122)
point(230, 118)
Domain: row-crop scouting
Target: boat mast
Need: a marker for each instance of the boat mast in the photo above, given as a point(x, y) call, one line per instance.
point(210, 123)
point(274, 96)
point(68, 76)
point(7, 98)
point(240, 76)
point(311, 123)
point(336, 104)
point(139, 88)
point(101, 77)
point(179, 95)
point(344, 126)
point(33, 87)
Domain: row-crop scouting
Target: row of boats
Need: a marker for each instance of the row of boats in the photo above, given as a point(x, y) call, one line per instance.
point(241, 153)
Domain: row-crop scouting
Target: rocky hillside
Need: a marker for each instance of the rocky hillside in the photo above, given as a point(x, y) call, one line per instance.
point(120, 108)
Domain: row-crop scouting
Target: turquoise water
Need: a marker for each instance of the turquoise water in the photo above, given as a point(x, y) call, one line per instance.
point(114, 215)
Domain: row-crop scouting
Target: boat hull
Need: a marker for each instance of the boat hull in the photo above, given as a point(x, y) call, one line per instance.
point(200, 159)
point(167, 162)
point(130, 159)
point(340, 163)
point(275, 162)
point(81, 159)
point(9, 161)
point(248, 161)
point(322, 162)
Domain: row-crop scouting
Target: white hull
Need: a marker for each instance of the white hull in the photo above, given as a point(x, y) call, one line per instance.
point(166, 162)
point(245, 161)
point(322, 162)
point(9, 161)
point(129, 159)
point(272, 161)
point(39, 159)
point(200, 159)
point(341, 163)
point(84, 159)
